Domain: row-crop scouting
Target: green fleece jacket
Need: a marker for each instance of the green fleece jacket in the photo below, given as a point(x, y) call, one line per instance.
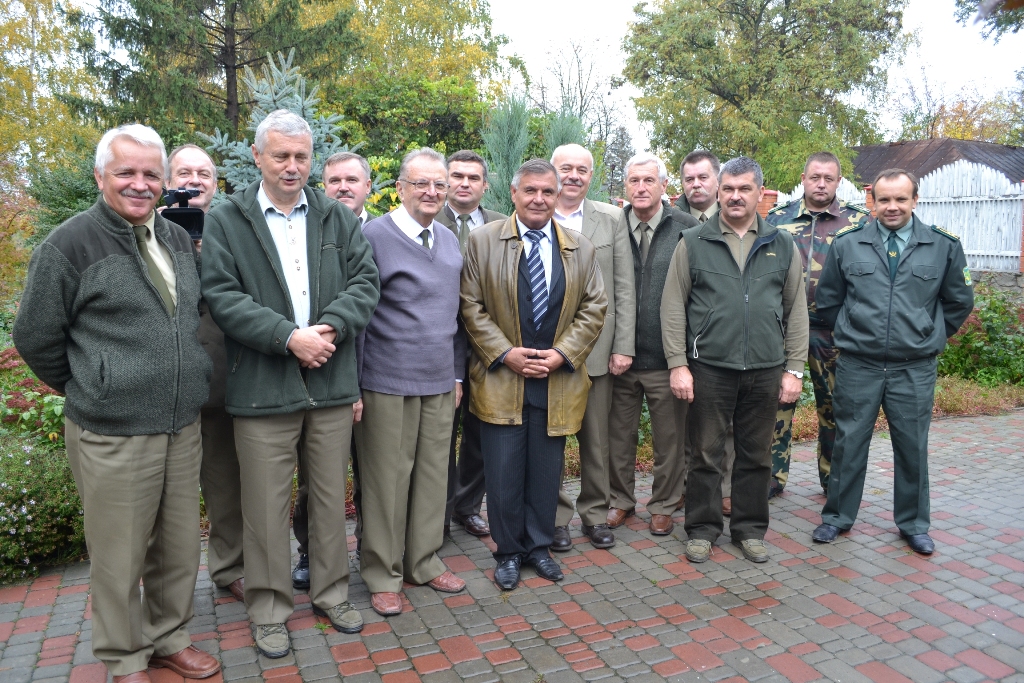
point(245, 288)
point(91, 324)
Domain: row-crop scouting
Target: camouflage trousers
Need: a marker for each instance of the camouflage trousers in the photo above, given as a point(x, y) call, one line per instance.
point(821, 358)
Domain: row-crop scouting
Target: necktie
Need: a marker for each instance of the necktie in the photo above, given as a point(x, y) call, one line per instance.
point(703, 217)
point(463, 230)
point(893, 252)
point(645, 241)
point(538, 282)
point(154, 272)
point(425, 238)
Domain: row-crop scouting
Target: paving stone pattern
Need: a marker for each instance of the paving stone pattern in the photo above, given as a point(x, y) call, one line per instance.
point(862, 609)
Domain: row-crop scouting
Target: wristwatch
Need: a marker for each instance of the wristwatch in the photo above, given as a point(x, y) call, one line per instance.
point(796, 373)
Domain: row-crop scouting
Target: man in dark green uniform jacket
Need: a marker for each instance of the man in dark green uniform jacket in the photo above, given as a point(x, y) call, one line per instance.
point(893, 292)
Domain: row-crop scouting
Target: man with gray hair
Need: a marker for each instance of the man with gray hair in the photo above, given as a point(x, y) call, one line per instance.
point(655, 229)
point(290, 279)
point(734, 327)
point(347, 178)
point(109, 318)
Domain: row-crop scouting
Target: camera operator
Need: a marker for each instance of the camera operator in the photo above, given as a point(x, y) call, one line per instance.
point(189, 166)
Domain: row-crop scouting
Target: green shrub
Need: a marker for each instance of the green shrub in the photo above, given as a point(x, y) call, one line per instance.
point(27, 406)
point(989, 348)
point(40, 512)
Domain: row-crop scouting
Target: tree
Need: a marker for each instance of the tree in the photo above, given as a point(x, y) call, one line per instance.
point(765, 78)
point(927, 113)
point(619, 151)
point(506, 138)
point(176, 64)
point(997, 20)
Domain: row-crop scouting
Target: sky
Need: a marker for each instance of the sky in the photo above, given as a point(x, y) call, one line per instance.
point(952, 55)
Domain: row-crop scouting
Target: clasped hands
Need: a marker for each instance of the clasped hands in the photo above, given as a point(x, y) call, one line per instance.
point(313, 345)
point(533, 363)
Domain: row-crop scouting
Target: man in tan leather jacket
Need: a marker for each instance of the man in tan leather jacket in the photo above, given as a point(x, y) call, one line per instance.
point(533, 303)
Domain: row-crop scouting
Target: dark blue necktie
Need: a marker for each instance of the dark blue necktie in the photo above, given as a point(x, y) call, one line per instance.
point(893, 252)
point(538, 283)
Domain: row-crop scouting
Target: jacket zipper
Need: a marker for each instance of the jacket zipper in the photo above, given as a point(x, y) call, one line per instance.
point(746, 296)
point(810, 256)
point(174, 325)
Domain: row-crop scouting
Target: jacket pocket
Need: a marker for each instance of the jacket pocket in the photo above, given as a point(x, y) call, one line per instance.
point(925, 272)
point(238, 359)
point(860, 268)
point(782, 328)
point(704, 325)
point(105, 379)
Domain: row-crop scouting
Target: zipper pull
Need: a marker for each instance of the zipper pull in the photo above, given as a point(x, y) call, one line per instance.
point(746, 298)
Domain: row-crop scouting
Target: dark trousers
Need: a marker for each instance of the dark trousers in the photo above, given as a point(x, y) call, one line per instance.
point(300, 512)
point(522, 468)
point(748, 399)
point(466, 478)
point(906, 395)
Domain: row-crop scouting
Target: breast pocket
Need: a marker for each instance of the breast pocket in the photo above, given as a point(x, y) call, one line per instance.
point(925, 272)
point(859, 268)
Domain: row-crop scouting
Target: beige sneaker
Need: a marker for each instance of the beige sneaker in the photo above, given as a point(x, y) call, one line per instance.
point(698, 550)
point(344, 617)
point(754, 549)
point(271, 640)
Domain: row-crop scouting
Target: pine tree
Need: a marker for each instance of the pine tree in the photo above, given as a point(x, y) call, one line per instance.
point(506, 137)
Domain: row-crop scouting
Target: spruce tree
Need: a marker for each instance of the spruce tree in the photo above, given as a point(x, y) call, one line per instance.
point(506, 137)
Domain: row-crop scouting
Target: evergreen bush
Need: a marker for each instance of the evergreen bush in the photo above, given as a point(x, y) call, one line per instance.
point(989, 348)
point(506, 136)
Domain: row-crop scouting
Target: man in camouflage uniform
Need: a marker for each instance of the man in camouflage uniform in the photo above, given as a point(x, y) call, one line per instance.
point(813, 221)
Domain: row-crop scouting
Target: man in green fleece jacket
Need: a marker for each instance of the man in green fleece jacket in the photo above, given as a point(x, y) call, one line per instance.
point(109, 318)
point(291, 281)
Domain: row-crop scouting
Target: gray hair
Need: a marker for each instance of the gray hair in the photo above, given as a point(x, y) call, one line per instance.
point(142, 135)
point(178, 150)
point(573, 147)
point(536, 167)
point(742, 166)
point(342, 157)
point(644, 158)
point(427, 152)
point(281, 121)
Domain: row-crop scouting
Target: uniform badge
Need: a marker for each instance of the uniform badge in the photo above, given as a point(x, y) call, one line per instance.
point(967, 276)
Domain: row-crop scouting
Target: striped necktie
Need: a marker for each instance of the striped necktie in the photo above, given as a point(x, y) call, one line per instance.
point(538, 281)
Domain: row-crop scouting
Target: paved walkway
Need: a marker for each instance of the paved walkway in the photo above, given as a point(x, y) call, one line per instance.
point(862, 609)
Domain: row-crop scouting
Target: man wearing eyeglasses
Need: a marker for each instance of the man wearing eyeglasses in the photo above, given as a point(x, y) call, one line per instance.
point(411, 358)
point(814, 220)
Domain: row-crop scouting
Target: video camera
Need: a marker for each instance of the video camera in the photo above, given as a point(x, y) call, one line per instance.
point(184, 215)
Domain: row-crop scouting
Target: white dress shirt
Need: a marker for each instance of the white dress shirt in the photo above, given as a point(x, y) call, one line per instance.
point(574, 221)
point(363, 217)
point(476, 217)
point(408, 225)
point(544, 245)
point(289, 233)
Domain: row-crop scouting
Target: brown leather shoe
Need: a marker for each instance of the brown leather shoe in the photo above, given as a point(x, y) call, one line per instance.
point(189, 663)
point(237, 588)
point(447, 583)
point(137, 677)
point(661, 525)
point(473, 524)
point(727, 506)
point(617, 517)
point(386, 604)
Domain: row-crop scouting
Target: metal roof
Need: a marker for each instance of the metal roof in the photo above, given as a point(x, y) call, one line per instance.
point(921, 157)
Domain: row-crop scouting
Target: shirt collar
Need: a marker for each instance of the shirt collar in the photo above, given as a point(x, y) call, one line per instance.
point(266, 204)
point(903, 234)
point(523, 229)
point(577, 212)
point(149, 222)
point(832, 209)
point(634, 220)
point(709, 212)
point(364, 216)
point(727, 230)
point(404, 220)
point(477, 213)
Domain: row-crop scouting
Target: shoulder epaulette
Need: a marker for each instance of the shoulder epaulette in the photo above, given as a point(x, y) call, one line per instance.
point(779, 209)
point(848, 229)
point(947, 233)
point(858, 208)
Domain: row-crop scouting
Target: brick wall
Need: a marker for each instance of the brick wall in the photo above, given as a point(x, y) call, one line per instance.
point(768, 202)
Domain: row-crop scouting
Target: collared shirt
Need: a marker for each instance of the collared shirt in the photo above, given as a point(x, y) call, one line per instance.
point(161, 257)
point(289, 233)
point(574, 221)
point(740, 247)
point(707, 214)
point(544, 245)
point(902, 235)
point(634, 222)
point(363, 217)
point(476, 217)
point(408, 225)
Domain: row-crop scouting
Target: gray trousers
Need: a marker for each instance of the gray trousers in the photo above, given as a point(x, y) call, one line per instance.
point(595, 457)
point(267, 452)
point(222, 494)
point(140, 495)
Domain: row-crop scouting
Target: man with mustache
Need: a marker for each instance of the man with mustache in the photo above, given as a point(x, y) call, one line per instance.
point(347, 178)
point(462, 213)
point(605, 227)
point(734, 327)
point(109, 317)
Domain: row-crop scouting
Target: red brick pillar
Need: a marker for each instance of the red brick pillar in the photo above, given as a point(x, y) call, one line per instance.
point(768, 202)
point(870, 203)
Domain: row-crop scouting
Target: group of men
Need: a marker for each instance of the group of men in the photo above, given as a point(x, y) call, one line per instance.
point(315, 330)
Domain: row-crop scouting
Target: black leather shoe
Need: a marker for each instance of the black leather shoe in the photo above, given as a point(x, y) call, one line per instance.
point(920, 543)
point(474, 525)
point(562, 540)
point(506, 574)
point(774, 490)
point(600, 535)
point(548, 569)
point(300, 575)
point(825, 533)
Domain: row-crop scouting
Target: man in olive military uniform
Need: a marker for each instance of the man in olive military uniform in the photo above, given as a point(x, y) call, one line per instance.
point(909, 290)
point(813, 220)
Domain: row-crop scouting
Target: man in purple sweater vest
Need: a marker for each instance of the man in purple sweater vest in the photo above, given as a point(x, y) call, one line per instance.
point(411, 360)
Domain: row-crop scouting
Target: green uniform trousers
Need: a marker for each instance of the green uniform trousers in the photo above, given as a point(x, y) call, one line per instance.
point(140, 495)
point(267, 454)
point(906, 395)
point(668, 431)
point(221, 482)
point(403, 444)
point(595, 494)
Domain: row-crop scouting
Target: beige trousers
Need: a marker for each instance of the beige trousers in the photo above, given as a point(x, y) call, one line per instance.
point(140, 495)
point(668, 431)
point(222, 494)
point(266, 454)
point(592, 503)
point(403, 444)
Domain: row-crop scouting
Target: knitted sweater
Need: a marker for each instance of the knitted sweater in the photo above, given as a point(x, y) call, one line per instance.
point(412, 346)
point(92, 325)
